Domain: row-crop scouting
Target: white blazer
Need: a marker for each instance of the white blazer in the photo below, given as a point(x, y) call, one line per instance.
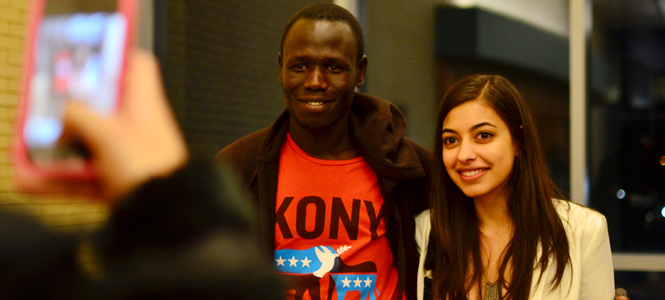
point(590, 274)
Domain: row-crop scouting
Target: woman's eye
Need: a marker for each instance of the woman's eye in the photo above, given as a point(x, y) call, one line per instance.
point(449, 140)
point(485, 135)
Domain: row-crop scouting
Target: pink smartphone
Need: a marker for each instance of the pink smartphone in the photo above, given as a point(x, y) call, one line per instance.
point(75, 51)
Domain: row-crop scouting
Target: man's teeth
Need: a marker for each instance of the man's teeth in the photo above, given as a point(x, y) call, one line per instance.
point(315, 103)
point(471, 173)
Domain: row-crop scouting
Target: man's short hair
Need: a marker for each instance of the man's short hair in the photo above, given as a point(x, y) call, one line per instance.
point(332, 13)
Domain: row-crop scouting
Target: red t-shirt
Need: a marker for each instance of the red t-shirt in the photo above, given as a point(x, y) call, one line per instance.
point(330, 231)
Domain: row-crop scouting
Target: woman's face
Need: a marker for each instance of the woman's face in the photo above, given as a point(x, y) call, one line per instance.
point(478, 150)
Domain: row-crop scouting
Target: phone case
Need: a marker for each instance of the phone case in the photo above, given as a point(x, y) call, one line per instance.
point(65, 57)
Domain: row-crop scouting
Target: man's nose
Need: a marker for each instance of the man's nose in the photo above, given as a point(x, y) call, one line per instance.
point(316, 79)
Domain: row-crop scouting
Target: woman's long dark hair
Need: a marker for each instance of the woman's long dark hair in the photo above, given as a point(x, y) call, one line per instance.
point(529, 191)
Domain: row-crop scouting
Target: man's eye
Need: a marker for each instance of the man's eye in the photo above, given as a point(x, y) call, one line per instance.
point(298, 67)
point(334, 67)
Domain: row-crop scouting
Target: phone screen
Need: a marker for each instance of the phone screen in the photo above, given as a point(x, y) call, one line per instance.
point(78, 56)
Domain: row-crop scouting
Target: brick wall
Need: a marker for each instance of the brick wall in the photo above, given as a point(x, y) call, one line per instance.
point(58, 213)
point(12, 26)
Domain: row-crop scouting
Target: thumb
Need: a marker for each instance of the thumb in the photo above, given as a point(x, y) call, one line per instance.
point(85, 125)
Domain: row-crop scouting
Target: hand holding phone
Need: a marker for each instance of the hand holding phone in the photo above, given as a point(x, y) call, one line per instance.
point(126, 148)
point(76, 51)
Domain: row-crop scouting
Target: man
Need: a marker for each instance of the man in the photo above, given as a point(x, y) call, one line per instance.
point(334, 179)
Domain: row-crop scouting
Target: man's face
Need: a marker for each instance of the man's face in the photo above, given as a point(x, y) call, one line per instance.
point(319, 72)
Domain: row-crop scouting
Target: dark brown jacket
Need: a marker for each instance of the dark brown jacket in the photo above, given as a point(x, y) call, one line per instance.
point(377, 129)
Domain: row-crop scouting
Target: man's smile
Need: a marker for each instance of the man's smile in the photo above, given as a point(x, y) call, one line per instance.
point(315, 104)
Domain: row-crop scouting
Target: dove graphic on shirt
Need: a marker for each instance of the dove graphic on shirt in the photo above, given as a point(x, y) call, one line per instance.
point(305, 267)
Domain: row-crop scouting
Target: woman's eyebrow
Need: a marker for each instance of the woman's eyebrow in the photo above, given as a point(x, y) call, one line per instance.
point(482, 124)
point(474, 127)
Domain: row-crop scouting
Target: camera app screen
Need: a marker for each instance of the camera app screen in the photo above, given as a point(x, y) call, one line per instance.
point(78, 57)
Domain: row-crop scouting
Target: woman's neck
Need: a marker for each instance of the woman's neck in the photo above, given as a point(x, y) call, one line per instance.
point(496, 232)
point(492, 213)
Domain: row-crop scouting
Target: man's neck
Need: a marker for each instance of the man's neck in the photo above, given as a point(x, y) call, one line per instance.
point(331, 144)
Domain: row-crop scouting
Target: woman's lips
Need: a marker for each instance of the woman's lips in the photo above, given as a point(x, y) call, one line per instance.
point(472, 174)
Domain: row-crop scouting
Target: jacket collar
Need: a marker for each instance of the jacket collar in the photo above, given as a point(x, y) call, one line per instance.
point(271, 148)
point(377, 128)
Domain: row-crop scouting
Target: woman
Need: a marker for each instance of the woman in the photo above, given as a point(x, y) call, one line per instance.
point(499, 228)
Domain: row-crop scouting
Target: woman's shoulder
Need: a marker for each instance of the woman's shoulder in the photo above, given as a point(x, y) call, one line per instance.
point(580, 217)
point(423, 217)
point(423, 227)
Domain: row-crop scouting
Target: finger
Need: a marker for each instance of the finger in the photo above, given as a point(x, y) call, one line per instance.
point(153, 111)
point(142, 81)
point(86, 125)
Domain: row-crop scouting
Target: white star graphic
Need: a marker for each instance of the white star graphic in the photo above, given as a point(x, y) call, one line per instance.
point(346, 282)
point(367, 282)
point(305, 262)
point(294, 262)
point(280, 261)
point(357, 282)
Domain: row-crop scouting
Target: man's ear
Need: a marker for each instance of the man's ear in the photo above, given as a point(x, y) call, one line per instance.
point(279, 65)
point(362, 68)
